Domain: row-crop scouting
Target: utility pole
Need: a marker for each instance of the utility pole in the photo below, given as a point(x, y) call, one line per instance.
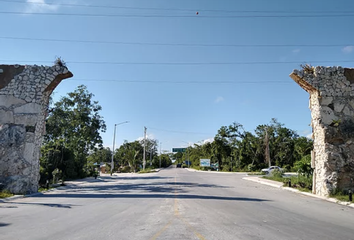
point(150, 157)
point(144, 158)
point(160, 153)
point(114, 140)
point(267, 152)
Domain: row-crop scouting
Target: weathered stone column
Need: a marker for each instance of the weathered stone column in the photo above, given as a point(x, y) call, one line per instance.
point(331, 92)
point(24, 97)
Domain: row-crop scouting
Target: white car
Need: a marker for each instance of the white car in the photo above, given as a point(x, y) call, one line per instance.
point(270, 169)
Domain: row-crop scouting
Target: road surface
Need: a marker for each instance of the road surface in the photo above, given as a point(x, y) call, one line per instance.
point(174, 204)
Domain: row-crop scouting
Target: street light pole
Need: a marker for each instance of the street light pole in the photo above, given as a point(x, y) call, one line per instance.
point(160, 153)
point(114, 141)
point(267, 151)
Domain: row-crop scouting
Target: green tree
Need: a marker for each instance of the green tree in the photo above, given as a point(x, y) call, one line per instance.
point(224, 142)
point(56, 156)
point(236, 149)
point(248, 153)
point(281, 142)
point(73, 125)
point(179, 157)
point(165, 161)
point(102, 155)
point(130, 154)
point(151, 149)
point(302, 147)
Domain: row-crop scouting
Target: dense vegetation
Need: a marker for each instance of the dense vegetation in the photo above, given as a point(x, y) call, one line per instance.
point(129, 156)
point(72, 146)
point(73, 131)
point(235, 149)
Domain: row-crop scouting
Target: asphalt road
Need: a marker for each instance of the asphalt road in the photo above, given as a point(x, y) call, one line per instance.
point(174, 204)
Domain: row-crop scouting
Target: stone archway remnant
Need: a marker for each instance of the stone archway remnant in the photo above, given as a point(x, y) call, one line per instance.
point(331, 92)
point(24, 99)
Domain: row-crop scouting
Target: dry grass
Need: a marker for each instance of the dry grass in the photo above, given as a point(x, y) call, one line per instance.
point(308, 68)
point(5, 194)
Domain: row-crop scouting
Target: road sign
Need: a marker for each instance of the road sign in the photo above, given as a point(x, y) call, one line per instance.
point(205, 162)
point(179, 150)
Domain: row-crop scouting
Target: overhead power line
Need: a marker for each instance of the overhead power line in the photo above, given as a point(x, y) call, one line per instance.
point(173, 44)
point(181, 82)
point(187, 63)
point(178, 16)
point(168, 9)
point(174, 131)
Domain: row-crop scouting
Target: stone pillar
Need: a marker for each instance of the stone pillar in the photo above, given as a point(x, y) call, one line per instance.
point(331, 92)
point(24, 97)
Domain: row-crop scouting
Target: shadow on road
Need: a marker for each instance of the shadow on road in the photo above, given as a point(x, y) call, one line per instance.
point(41, 204)
point(8, 206)
point(162, 187)
point(107, 187)
point(178, 196)
point(4, 224)
point(142, 178)
point(115, 178)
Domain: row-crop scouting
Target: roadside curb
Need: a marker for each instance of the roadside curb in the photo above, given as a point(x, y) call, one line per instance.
point(258, 180)
point(156, 170)
point(194, 170)
point(11, 198)
point(69, 184)
point(4, 200)
point(276, 185)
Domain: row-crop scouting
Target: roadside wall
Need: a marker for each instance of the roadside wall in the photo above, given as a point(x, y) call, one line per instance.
point(331, 92)
point(24, 97)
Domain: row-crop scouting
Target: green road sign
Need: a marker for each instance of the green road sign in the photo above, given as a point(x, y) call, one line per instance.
point(179, 150)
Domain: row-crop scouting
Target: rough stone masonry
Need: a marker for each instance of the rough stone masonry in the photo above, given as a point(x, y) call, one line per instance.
point(331, 92)
point(24, 99)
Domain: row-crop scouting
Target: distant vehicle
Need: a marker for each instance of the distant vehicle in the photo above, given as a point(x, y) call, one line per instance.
point(214, 166)
point(271, 169)
point(188, 163)
point(179, 165)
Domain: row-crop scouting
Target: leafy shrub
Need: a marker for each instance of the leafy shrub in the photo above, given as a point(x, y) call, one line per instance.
point(288, 168)
point(255, 173)
point(251, 167)
point(276, 173)
point(302, 182)
point(340, 195)
point(146, 171)
point(303, 166)
point(125, 169)
point(5, 194)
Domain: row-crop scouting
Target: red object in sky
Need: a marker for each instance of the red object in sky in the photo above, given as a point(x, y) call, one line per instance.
point(197, 13)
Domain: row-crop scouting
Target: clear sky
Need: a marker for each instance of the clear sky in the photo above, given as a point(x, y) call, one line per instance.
point(180, 74)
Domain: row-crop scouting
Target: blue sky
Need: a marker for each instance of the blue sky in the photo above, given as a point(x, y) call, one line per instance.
point(182, 102)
